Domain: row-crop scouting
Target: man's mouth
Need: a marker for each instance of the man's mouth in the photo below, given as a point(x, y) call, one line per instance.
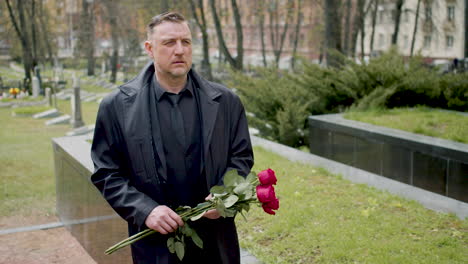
point(178, 62)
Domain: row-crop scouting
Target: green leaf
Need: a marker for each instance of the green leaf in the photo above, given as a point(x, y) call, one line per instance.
point(197, 240)
point(231, 200)
point(180, 250)
point(242, 188)
point(248, 194)
point(231, 212)
point(251, 177)
point(218, 189)
point(186, 230)
point(221, 209)
point(195, 218)
point(171, 245)
point(231, 178)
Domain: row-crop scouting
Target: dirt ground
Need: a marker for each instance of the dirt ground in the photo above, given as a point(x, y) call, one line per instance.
point(40, 247)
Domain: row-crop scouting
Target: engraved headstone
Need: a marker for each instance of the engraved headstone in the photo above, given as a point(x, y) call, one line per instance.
point(76, 119)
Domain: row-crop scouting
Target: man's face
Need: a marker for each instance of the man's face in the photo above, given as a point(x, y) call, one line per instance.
point(170, 46)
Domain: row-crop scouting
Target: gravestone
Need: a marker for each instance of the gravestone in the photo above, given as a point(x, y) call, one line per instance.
point(47, 114)
point(48, 95)
point(76, 119)
point(35, 87)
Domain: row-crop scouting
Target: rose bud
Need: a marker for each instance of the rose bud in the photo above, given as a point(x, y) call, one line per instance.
point(267, 177)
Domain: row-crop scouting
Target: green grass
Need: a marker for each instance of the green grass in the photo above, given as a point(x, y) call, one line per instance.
point(27, 180)
point(326, 219)
point(30, 110)
point(420, 120)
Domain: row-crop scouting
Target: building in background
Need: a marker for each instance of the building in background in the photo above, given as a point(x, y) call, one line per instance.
point(440, 35)
point(310, 33)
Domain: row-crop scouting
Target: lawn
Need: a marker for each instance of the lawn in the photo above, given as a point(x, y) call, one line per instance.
point(326, 219)
point(420, 120)
point(27, 176)
point(322, 219)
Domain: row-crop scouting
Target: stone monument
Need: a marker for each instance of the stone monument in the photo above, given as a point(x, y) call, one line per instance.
point(76, 119)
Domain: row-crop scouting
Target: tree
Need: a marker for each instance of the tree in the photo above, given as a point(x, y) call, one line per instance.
point(112, 14)
point(398, 9)
point(347, 29)
point(237, 62)
point(86, 35)
point(374, 21)
point(296, 32)
point(198, 12)
point(260, 14)
point(332, 38)
point(277, 37)
point(416, 20)
point(19, 24)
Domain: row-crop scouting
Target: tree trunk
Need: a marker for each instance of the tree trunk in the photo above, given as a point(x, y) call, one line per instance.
point(277, 38)
point(90, 33)
point(398, 6)
point(261, 26)
point(236, 63)
point(45, 33)
point(374, 21)
point(34, 41)
point(165, 6)
point(201, 22)
point(296, 33)
point(415, 30)
point(240, 35)
point(332, 31)
point(346, 44)
point(23, 37)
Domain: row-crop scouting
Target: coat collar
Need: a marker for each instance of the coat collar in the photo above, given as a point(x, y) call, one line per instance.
point(142, 79)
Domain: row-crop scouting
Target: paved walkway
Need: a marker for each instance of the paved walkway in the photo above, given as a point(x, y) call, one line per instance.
point(52, 243)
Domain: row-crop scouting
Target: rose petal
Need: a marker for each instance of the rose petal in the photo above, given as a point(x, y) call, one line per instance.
point(267, 177)
point(273, 204)
point(265, 193)
point(268, 210)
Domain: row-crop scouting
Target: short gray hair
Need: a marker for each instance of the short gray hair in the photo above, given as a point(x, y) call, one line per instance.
point(173, 17)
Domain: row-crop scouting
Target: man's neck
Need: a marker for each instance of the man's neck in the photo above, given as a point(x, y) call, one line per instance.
point(173, 85)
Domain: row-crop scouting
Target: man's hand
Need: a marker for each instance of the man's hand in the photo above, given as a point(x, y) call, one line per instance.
point(211, 214)
point(164, 220)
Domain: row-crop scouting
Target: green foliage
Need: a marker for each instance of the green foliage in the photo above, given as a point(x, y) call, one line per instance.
point(455, 89)
point(280, 102)
point(279, 107)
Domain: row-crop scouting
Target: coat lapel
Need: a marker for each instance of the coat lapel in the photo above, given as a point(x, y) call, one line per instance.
point(142, 120)
point(208, 110)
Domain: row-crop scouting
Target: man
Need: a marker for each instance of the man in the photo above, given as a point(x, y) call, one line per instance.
point(163, 140)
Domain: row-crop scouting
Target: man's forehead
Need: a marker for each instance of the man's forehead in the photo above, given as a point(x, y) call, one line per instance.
point(171, 29)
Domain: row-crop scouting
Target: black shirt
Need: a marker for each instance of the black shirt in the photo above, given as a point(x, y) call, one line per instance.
point(185, 184)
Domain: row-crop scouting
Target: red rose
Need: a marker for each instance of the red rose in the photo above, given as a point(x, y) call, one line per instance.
point(270, 206)
point(265, 193)
point(267, 177)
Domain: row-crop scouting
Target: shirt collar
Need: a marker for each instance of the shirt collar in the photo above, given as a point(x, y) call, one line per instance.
point(160, 91)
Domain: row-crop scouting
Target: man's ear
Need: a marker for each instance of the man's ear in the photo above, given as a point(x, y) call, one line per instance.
point(149, 49)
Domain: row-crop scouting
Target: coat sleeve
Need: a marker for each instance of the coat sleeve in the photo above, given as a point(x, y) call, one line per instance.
point(241, 153)
point(107, 153)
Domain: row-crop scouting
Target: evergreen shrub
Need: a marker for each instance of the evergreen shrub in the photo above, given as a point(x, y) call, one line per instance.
point(279, 102)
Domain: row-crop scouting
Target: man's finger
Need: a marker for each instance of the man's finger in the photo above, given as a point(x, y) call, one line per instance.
point(176, 218)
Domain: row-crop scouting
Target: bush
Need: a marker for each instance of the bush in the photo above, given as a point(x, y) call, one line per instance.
point(280, 102)
point(276, 107)
point(455, 90)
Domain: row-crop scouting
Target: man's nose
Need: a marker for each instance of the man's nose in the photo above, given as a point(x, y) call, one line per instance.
point(179, 48)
